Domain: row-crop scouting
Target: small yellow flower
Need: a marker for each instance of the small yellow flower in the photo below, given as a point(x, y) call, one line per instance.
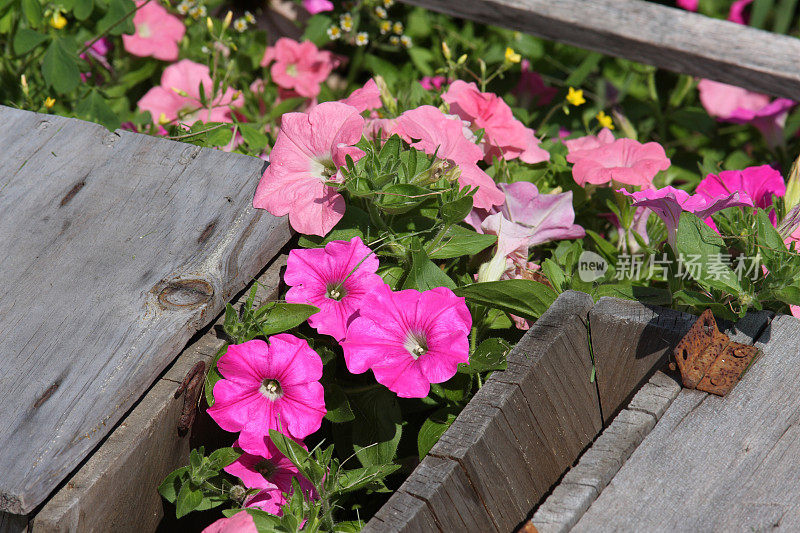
point(240, 25)
point(197, 12)
point(385, 26)
point(388, 3)
point(362, 38)
point(605, 120)
point(183, 8)
point(381, 12)
point(512, 56)
point(394, 39)
point(345, 17)
point(398, 28)
point(249, 17)
point(575, 97)
point(334, 32)
point(49, 102)
point(346, 24)
point(405, 40)
point(58, 21)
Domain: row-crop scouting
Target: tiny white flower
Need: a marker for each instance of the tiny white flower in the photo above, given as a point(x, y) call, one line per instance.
point(406, 40)
point(381, 12)
point(240, 25)
point(362, 38)
point(398, 28)
point(334, 32)
point(394, 39)
point(249, 17)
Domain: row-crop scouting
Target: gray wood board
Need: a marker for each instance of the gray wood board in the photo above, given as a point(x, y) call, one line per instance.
point(143, 448)
point(718, 464)
point(644, 31)
point(514, 439)
point(115, 248)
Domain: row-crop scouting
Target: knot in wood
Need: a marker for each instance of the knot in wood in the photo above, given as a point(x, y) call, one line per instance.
point(185, 294)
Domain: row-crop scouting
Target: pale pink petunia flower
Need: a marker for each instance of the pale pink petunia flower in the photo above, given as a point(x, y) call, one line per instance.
point(317, 6)
point(299, 66)
point(576, 147)
point(366, 98)
point(269, 386)
point(622, 161)
point(531, 88)
point(430, 130)
point(309, 150)
point(737, 14)
point(409, 339)
point(668, 203)
point(740, 106)
point(760, 183)
point(505, 136)
point(178, 96)
point(241, 522)
point(335, 279)
point(689, 5)
point(157, 32)
point(429, 83)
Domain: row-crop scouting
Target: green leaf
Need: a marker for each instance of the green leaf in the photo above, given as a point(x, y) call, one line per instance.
point(117, 11)
point(264, 521)
point(583, 71)
point(338, 406)
point(425, 275)
point(32, 9)
point(222, 457)
point(293, 451)
point(213, 375)
point(82, 9)
point(358, 478)
point(647, 295)
point(256, 140)
point(758, 14)
point(457, 210)
point(95, 108)
point(770, 244)
point(171, 485)
point(26, 40)
point(401, 198)
point(458, 241)
point(554, 274)
point(433, 428)
point(525, 298)
point(789, 294)
point(317, 29)
point(60, 68)
point(699, 245)
point(284, 106)
point(378, 426)
point(276, 317)
point(422, 57)
point(490, 355)
point(354, 223)
point(188, 500)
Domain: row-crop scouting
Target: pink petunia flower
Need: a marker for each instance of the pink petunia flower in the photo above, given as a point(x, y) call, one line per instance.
point(505, 136)
point(532, 89)
point(241, 522)
point(157, 32)
point(366, 98)
point(737, 14)
point(268, 500)
point(317, 6)
point(740, 106)
point(622, 161)
point(668, 203)
point(336, 279)
point(269, 386)
point(301, 67)
point(583, 146)
point(309, 149)
point(96, 53)
point(409, 339)
point(759, 183)
point(430, 130)
point(429, 83)
point(689, 5)
point(178, 96)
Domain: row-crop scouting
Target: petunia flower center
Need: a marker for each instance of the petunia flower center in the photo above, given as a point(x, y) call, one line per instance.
point(271, 389)
point(323, 167)
point(416, 344)
point(266, 468)
point(291, 70)
point(144, 31)
point(335, 291)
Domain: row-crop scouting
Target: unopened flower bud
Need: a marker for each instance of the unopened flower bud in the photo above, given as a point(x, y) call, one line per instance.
point(24, 82)
point(462, 59)
point(792, 197)
point(227, 22)
point(209, 24)
point(446, 51)
point(49, 102)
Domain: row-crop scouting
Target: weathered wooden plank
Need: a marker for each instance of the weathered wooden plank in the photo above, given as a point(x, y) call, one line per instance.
point(402, 512)
point(141, 450)
point(115, 248)
point(643, 31)
point(630, 341)
point(581, 486)
point(727, 463)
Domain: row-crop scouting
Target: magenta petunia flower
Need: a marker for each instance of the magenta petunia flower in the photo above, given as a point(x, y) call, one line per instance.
point(317, 6)
point(301, 67)
point(178, 96)
point(689, 5)
point(760, 183)
point(430, 83)
point(426, 128)
point(268, 500)
point(366, 98)
point(623, 161)
point(241, 522)
point(505, 136)
point(740, 106)
point(268, 470)
point(309, 149)
point(336, 279)
point(668, 203)
point(269, 386)
point(157, 32)
point(737, 14)
point(531, 88)
point(409, 339)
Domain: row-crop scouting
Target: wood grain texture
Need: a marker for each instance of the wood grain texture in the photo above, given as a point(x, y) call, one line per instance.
point(142, 449)
point(663, 36)
point(115, 248)
point(723, 464)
